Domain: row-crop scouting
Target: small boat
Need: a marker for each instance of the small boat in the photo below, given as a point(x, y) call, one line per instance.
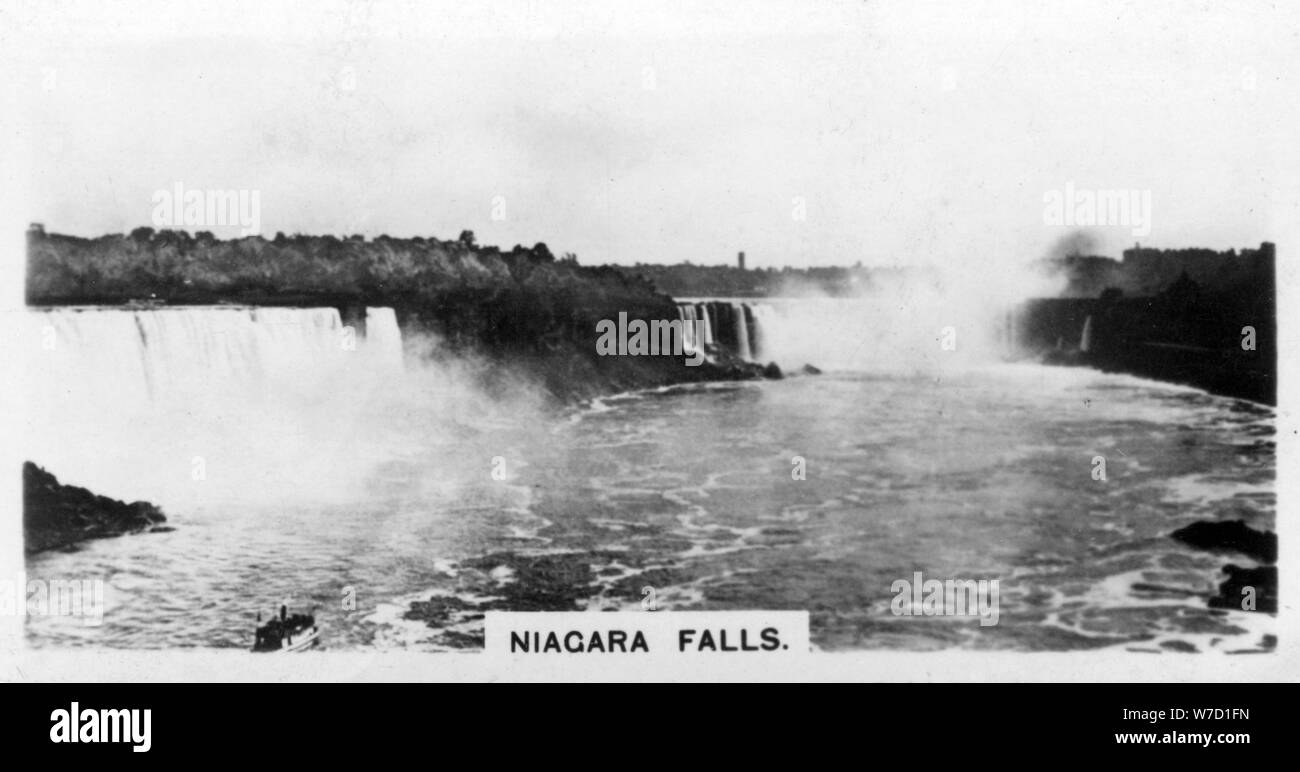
point(290, 632)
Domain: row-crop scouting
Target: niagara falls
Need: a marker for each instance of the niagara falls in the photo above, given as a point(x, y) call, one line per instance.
point(330, 456)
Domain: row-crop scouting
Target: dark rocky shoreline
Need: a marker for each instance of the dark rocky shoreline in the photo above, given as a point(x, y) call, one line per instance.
point(1234, 536)
point(58, 516)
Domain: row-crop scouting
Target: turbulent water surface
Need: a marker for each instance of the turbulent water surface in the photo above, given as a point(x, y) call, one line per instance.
point(981, 472)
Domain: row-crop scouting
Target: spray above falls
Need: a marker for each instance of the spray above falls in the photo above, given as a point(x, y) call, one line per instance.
point(870, 333)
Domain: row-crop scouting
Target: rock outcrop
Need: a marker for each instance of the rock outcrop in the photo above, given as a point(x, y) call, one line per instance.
point(57, 516)
point(1246, 589)
point(1230, 536)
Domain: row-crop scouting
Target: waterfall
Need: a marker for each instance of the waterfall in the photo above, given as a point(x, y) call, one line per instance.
point(383, 337)
point(742, 331)
point(755, 332)
point(765, 325)
point(117, 396)
point(1085, 338)
point(169, 353)
point(689, 343)
point(736, 326)
point(703, 309)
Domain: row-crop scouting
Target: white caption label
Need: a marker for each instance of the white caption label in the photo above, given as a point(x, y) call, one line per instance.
point(660, 633)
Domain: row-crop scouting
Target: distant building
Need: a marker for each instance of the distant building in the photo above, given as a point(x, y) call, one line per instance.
point(740, 261)
point(36, 227)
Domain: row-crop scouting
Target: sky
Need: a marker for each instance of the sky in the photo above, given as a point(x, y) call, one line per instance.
point(808, 133)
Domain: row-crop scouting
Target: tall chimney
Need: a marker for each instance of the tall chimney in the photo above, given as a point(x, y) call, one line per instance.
point(740, 260)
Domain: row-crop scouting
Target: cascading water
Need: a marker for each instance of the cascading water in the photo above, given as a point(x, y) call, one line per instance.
point(139, 356)
point(765, 321)
point(742, 332)
point(732, 325)
point(147, 403)
point(702, 309)
point(687, 314)
point(384, 337)
point(753, 333)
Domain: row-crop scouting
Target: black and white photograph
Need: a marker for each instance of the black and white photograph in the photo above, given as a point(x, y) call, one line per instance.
point(829, 340)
